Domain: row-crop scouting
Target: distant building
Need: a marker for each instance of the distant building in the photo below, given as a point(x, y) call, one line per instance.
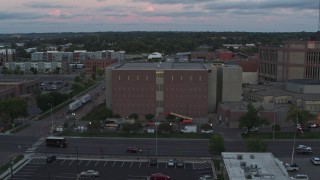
point(92, 65)
point(255, 166)
point(10, 88)
point(295, 60)
point(7, 55)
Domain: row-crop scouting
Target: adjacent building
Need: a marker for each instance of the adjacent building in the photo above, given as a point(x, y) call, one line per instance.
point(10, 88)
point(7, 55)
point(294, 60)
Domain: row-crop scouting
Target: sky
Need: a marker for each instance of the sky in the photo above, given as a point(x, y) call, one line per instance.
point(38, 16)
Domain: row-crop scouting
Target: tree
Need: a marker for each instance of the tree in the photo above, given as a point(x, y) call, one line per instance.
point(165, 127)
point(252, 118)
point(94, 125)
point(34, 70)
point(256, 145)
point(149, 117)
point(216, 144)
point(134, 116)
point(302, 116)
point(135, 127)
point(206, 126)
point(99, 71)
point(13, 108)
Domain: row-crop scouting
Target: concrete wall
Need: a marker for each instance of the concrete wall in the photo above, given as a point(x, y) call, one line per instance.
point(231, 83)
point(250, 77)
point(295, 73)
point(212, 90)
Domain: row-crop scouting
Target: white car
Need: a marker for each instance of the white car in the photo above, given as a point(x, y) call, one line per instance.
point(206, 177)
point(207, 131)
point(89, 173)
point(300, 176)
point(171, 162)
point(304, 147)
point(315, 160)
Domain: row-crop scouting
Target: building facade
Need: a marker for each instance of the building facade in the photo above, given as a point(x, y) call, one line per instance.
point(92, 64)
point(295, 60)
point(7, 55)
point(188, 89)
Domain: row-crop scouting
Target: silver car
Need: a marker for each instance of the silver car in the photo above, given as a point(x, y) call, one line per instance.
point(315, 160)
point(89, 173)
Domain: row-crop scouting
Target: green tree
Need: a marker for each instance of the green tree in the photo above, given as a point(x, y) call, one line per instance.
point(216, 144)
point(135, 127)
point(205, 126)
point(34, 70)
point(165, 127)
point(94, 125)
point(13, 108)
point(302, 116)
point(17, 70)
point(252, 118)
point(256, 145)
point(134, 116)
point(99, 71)
point(149, 117)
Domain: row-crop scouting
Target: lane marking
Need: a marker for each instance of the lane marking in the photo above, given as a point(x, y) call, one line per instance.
point(80, 162)
point(131, 164)
point(71, 162)
point(122, 163)
point(105, 163)
point(114, 163)
point(62, 162)
point(97, 163)
point(88, 163)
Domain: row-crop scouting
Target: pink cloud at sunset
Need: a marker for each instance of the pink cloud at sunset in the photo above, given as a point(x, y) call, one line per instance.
point(204, 15)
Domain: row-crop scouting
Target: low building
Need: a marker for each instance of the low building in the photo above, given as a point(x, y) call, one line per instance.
point(92, 65)
point(10, 88)
point(255, 166)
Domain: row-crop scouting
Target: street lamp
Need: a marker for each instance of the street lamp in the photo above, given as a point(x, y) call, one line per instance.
point(51, 118)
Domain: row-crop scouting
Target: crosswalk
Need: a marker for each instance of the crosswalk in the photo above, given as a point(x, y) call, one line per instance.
point(38, 161)
point(35, 145)
point(204, 165)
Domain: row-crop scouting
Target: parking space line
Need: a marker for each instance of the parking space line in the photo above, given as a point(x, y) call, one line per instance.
point(71, 162)
point(79, 162)
point(122, 163)
point(97, 163)
point(105, 163)
point(62, 162)
point(88, 163)
point(131, 164)
point(140, 164)
point(114, 163)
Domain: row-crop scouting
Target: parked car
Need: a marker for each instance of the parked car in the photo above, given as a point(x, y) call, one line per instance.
point(171, 162)
point(51, 159)
point(291, 167)
point(133, 149)
point(250, 130)
point(153, 162)
point(180, 163)
point(159, 176)
point(300, 176)
point(207, 131)
point(315, 160)
point(312, 125)
point(90, 173)
point(206, 177)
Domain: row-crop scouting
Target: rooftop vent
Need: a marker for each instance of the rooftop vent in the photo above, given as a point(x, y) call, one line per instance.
point(240, 156)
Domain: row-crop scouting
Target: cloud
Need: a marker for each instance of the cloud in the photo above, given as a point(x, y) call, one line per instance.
point(174, 1)
point(148, 9)
point(55, 13)
point(45, 5)
point(20, 16)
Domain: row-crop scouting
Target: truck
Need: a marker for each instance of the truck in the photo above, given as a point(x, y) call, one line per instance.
point(86, 98)
point(291, 167)
point(75, 105)
point(189, 129)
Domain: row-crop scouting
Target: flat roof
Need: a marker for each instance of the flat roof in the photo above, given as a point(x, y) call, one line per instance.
point(258, 165)
point(161, 66)
point(305, 81)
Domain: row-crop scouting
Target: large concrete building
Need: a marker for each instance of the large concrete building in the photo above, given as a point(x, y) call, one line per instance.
point(295, 60)
point(190, 89)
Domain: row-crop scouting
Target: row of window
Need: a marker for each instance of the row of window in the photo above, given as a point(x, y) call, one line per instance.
point(190, 78)
point(265, 68)
point(268, 55)
point(313, 57)
point(313, 72)
point(159, 87)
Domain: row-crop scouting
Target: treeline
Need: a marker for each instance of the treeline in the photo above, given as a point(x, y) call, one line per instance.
point(141, 42)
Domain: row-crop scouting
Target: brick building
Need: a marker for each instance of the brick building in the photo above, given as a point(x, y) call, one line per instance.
point(92, 65)
point(295, 60)
point(189, 89)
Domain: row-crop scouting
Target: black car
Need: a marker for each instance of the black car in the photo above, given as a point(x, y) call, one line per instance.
point(133, 149)
point(51, 159)
point(153, 162)
point(304, 151)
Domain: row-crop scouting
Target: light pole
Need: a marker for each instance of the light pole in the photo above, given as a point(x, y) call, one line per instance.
point(274, 123)
point(157, 135)
point(51, 119)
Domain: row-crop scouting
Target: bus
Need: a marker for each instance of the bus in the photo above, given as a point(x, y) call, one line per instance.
point(56, 141)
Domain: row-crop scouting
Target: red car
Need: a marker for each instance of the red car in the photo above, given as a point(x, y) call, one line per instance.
point(159, 176)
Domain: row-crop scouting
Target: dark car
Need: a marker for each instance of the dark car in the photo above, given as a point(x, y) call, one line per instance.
point(51, 159)
point(180, 163)
point(153, 162)
point(133, 149)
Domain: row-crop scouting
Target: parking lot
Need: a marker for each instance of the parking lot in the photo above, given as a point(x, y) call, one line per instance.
point(38, 168)
point(306, 167)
